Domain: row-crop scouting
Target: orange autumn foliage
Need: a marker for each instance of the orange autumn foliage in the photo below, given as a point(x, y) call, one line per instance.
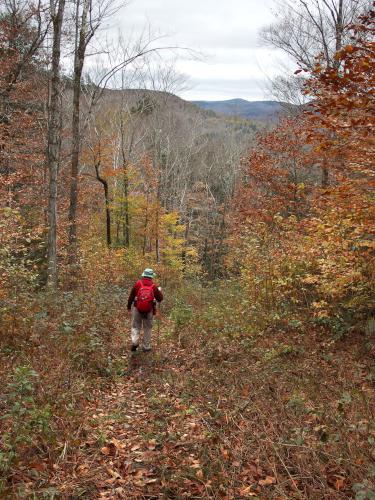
point(304, 247)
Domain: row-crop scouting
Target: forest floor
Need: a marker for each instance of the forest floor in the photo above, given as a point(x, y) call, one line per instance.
point(265, 416)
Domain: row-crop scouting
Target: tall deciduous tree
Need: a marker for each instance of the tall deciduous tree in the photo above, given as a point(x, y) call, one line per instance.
point(305, 30)
point(85, 29)
point(54, 140)
point(309, 29)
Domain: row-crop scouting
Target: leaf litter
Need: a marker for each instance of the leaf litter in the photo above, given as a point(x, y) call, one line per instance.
point(190, 427)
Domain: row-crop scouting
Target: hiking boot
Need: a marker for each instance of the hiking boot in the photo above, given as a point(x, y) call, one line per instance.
point(134, 348)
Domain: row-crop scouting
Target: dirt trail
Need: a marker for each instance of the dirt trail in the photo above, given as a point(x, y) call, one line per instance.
point(137, 434)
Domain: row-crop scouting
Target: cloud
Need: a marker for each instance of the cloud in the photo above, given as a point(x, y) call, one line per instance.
point(219, 22)
point(226, 32)
point(213, 89)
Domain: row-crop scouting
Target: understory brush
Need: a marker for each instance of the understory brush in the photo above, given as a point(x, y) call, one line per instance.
point(64, 345)
point(287, 412)
point(217, 313)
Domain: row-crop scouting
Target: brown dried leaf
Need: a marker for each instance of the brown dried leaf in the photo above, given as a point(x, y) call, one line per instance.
point(339, 483)
point(152, 480)
point(113, 473)
point(267, 481)
point(199, 474)
point(247, 492)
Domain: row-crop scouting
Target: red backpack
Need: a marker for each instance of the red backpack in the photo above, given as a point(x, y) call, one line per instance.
point(145, 298)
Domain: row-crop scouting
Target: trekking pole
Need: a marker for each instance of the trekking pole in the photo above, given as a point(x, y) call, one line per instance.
point(159, 319)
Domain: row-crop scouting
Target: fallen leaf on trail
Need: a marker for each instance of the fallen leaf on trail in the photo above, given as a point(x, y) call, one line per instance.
point(135, 447)
point(152, 444)
point(246, 390)
point(39, 466)
point(247, 491)
point(339, 483)
point(267, 481)
point(113, 473)
point(225, 453)
point(140, 473)
point(82, 469)
point(118, 444)
point(109, 449)
point(199, 474)
point(153, 480)
point(254, 470)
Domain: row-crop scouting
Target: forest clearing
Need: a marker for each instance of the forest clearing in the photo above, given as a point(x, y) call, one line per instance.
point(257, 376)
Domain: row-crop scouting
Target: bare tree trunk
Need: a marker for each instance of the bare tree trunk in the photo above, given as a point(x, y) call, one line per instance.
point(53, 139)
point(158, 162)
point(107, 207)
point(157, 242)
point(339, 26)
point(126, 208)
point(157, 221)
point(79, 58)
point(145, 226)
point(186, 238)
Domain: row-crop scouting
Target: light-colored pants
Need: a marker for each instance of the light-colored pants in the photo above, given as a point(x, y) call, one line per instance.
point(137, 321)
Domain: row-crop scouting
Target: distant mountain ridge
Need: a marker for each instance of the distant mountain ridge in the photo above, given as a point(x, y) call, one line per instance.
point(256, 110)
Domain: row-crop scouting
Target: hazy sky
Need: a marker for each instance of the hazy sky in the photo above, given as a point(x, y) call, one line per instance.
point(225, 31)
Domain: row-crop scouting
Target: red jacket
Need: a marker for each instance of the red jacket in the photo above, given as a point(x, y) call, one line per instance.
point(134, 291)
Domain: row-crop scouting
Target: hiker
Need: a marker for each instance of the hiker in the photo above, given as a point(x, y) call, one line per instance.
point(143, 297)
